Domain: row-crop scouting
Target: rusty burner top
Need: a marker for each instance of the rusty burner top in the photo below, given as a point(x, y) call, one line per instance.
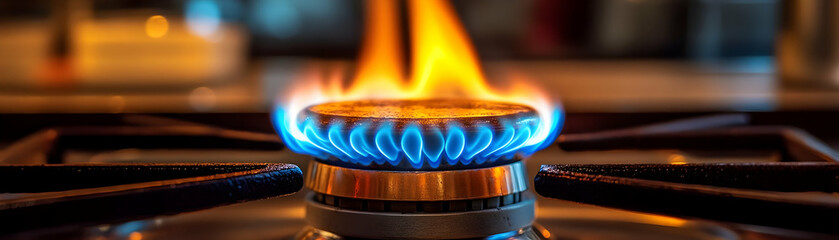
point(429, 134)
point(426, 112)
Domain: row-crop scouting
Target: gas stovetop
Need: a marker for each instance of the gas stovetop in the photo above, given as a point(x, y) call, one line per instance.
point(686, 146)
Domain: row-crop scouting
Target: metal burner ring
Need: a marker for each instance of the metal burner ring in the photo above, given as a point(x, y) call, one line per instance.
point(450, 225)
point(417, 185)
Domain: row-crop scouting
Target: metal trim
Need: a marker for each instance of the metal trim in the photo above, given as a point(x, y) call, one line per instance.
point(456, 225)
point(417, 185)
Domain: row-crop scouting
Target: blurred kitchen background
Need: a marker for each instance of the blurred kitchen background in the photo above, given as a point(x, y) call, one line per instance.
point(135, 56)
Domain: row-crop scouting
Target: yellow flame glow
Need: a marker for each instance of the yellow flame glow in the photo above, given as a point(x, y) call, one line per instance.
point(443, 65)
point(380, 61)
point(157, 26)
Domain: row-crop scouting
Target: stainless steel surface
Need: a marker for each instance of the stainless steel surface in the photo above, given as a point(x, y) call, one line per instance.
point(417, 185)
point(449, 225)
point(526, 233)
point(808, 43)
point(648, 85)
point(284, 218)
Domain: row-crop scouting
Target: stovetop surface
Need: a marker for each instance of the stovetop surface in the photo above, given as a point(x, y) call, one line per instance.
point(282, 218)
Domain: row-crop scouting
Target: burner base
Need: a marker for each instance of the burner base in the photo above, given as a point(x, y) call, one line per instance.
point(445, 225)
point(534, 232)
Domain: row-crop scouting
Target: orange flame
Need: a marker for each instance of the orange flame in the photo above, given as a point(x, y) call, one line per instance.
point(380, 62)
point(444, 65)
point(444, 61)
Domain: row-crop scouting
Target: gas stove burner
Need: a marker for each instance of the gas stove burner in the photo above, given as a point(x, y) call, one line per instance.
point(418, 169)
point(450, 204)
point(432, 134)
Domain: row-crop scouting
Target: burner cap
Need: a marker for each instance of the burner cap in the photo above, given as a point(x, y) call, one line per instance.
point(430, 134)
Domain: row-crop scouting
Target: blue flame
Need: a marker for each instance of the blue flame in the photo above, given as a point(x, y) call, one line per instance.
point(420, 146)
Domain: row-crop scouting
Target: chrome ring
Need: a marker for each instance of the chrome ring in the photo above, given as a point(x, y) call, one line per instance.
point(453, 225)
point(416, 185)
